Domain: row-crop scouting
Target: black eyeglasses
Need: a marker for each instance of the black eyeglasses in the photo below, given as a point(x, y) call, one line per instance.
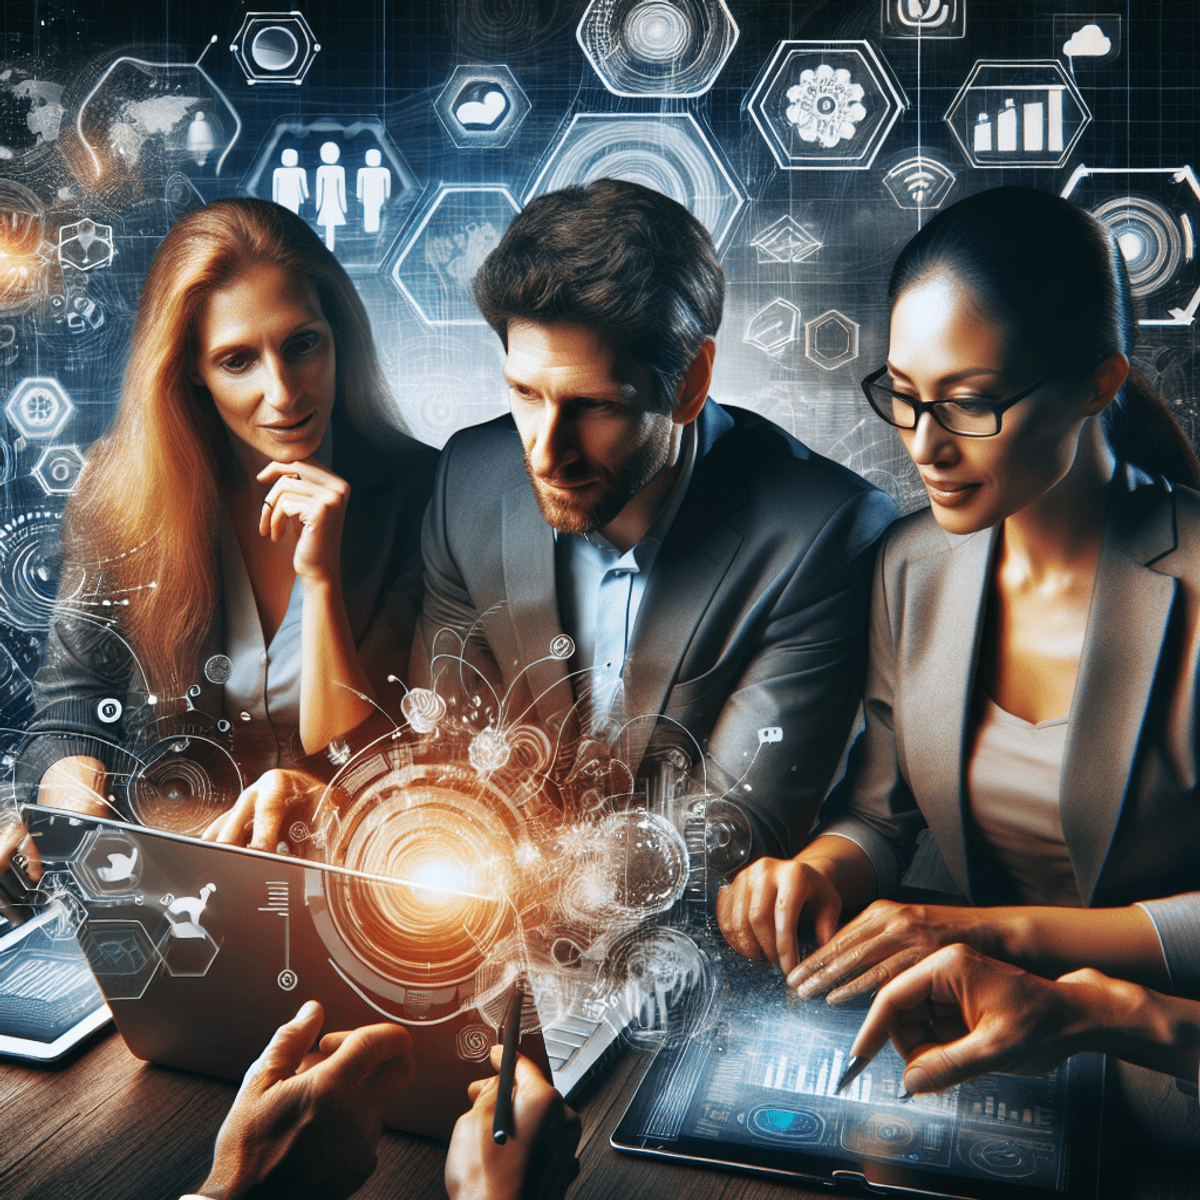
point(967, 418)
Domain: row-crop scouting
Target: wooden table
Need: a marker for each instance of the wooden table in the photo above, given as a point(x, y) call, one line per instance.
point(105, 1125)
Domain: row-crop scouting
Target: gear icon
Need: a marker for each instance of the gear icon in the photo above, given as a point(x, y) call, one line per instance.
point(826, 105)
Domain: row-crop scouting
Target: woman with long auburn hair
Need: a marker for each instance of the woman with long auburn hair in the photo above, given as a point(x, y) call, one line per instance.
point(241, 558)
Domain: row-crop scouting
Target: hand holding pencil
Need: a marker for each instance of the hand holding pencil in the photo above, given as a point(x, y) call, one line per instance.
point(537, 1160)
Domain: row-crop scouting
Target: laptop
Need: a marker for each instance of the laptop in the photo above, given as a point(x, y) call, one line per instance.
point(203, 950)
point(754, 1088)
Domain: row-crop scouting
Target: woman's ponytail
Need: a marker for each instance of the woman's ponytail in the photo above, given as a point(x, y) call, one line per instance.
point(1141, 430)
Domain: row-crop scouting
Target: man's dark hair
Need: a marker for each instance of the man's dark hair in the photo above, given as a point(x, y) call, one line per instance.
point(615, 256)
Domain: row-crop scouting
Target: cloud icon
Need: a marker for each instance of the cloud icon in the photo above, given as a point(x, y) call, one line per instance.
point(485, 112)
point(1088, 42)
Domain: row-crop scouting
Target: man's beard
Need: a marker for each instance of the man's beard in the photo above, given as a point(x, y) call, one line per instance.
point(604, 499)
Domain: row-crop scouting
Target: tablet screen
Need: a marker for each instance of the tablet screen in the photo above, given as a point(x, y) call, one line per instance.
point(756, 1086)
point(49, 1000)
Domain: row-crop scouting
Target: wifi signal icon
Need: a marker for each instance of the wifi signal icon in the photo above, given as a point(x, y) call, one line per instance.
point(919, 182)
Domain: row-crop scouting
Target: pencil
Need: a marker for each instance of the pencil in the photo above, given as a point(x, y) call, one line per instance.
point(502, 1125)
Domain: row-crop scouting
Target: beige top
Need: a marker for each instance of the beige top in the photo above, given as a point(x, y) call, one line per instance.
point(1013, 790)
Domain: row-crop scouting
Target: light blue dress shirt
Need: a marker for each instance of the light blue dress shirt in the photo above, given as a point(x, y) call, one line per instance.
point(600, 591)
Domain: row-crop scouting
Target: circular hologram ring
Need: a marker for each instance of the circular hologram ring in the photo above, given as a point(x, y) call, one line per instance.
point(656, 31)
point(474, 1042)
point(1150, 240)
point(881, 1135)
point(183, 785)
point(437, 901)
point(274, 48)
point(667, 155)
point(657, 47)
point(1003, 1158)
point(29, 569)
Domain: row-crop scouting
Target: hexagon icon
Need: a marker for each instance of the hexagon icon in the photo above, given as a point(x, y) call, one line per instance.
point(58, 469)
point(108, 864)
point(481, 106)
point(1020, 113)
point(924, 18)
point(670, 48)
point(275, 47)
point(668, 152)
point(774, 327)
point(58, 890)
point(347, 179)
point(831, 340)
point(1154, 214)
point(39, 408)
point(785, 241)
point(187, 948)
point(86, 245)
point(148, 120)
point(122, 956)
point(458, 231)
point(825, 105)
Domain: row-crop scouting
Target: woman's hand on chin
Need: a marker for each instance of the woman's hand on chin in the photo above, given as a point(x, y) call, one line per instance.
point(315, 499)
point(258, 815)
point(888, 938)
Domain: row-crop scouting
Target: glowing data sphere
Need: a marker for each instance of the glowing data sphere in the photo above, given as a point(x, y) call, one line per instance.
point(636, 865)
point(274, 48)
point(423, 709)
point(489, 751)
point(648, 861)
point(439, 881)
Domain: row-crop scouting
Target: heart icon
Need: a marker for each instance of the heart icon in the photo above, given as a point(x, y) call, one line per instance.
point(483, 113)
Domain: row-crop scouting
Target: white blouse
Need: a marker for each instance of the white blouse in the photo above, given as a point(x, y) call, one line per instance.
point(1013, 794)
point(264, 681)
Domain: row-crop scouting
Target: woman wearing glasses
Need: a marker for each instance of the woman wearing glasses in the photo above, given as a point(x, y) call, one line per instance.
point(1032, 694)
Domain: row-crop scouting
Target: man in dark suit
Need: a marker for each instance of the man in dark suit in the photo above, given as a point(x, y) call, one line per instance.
point(711, 574)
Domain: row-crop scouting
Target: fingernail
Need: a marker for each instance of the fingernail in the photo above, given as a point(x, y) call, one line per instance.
point(306, 1010)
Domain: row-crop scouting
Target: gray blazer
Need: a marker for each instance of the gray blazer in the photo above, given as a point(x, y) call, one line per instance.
point(1130, 789)
point(753, 615)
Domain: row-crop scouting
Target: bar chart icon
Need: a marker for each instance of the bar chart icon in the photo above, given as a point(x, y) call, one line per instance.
point(1018, 114)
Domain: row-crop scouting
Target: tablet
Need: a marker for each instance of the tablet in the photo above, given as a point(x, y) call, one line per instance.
point(755, 1089)
point(49, 1001)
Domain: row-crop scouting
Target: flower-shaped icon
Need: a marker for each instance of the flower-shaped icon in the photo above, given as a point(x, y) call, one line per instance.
point(825, 105)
